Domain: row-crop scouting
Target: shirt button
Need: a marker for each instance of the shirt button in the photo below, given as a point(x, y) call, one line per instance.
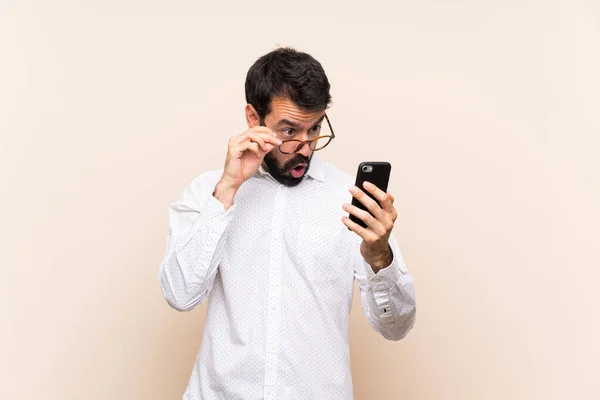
point(272, 348)
point(273, 306)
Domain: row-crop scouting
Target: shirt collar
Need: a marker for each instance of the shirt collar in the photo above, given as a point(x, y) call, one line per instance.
point(316, 170)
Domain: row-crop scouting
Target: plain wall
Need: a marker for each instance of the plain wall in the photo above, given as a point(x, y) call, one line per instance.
point(487, 110)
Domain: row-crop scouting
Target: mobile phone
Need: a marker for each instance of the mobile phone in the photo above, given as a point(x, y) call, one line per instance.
point(376, 172)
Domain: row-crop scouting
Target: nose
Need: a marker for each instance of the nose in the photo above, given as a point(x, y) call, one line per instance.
point(305, 150)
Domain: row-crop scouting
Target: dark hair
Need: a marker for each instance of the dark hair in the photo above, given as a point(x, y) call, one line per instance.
point(288, 73)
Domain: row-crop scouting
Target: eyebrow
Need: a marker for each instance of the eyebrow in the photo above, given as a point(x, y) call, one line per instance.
point(287, 122)
point(295, 125)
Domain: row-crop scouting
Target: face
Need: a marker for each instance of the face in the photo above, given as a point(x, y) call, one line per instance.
point(291, 122)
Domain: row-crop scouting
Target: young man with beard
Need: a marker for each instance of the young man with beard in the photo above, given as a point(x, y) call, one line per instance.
point(267, 236)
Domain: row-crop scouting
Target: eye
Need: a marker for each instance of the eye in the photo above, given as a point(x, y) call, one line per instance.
point(315, 129)
point(288, 131)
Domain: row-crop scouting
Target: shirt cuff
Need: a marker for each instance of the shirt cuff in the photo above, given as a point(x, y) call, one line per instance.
point(386, 277)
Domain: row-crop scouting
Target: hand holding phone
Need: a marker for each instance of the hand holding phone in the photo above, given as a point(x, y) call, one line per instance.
point(376, 172)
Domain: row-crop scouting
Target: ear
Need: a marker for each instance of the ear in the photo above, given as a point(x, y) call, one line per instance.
point(252, 118)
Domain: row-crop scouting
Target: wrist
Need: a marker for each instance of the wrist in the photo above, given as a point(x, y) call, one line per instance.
point(225, 184)
point(225, 193)
point(381, 260)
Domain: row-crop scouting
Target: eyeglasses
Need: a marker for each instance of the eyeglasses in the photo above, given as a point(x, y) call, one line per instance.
point(292, 146)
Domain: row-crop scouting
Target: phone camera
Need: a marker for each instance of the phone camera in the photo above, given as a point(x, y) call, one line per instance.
point(367, 168)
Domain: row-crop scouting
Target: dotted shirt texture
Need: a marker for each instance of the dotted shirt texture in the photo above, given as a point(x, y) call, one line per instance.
point(277, 269)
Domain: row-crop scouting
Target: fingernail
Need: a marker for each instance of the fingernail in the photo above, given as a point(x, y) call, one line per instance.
point(353, 189)
point(345, 206)
point(367, 185)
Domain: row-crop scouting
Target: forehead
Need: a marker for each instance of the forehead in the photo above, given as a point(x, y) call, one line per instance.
point(284, 108)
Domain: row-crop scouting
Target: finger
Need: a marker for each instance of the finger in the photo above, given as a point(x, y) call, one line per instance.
point(365, 217)
point(252, 147)
point(254, 138)
point(262, 130)
point(266, 138)
point(385, 199)
point(368, 202)
point(265, 141)
point(364, 233)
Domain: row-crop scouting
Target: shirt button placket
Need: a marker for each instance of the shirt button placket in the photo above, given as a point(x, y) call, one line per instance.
point(273, 319)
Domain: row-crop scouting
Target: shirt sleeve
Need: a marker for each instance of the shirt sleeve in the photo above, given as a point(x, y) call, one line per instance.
point(198, 226)
point(388, 297)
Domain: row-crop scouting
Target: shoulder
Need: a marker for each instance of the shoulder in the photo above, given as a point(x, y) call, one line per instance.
point(203, 183)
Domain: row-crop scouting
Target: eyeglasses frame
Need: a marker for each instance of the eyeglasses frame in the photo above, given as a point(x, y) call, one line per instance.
point(309, 141)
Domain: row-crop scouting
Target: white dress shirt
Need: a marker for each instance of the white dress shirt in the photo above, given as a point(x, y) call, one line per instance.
point(279, 265)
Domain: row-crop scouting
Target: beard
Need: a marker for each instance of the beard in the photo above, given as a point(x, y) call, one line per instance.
point(279, 171)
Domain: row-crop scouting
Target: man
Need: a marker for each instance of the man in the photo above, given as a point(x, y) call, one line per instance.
point(268, 238)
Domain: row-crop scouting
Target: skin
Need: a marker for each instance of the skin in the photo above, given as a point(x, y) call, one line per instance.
point(247, 151)
point(288, 122)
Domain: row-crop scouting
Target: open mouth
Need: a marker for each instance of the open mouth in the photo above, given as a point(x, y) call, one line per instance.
point(298, 170)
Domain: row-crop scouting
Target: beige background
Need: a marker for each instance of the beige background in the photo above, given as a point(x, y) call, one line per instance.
point(488, 112)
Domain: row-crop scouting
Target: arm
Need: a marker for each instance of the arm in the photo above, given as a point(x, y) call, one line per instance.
point(197, 232)
point(388, 296)
point(387, 290)
point(198, 222)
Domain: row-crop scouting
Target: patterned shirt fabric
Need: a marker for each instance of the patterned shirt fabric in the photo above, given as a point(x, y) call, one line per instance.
point(279, 266)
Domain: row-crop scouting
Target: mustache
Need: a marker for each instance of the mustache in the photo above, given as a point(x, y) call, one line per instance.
point(297, 159)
